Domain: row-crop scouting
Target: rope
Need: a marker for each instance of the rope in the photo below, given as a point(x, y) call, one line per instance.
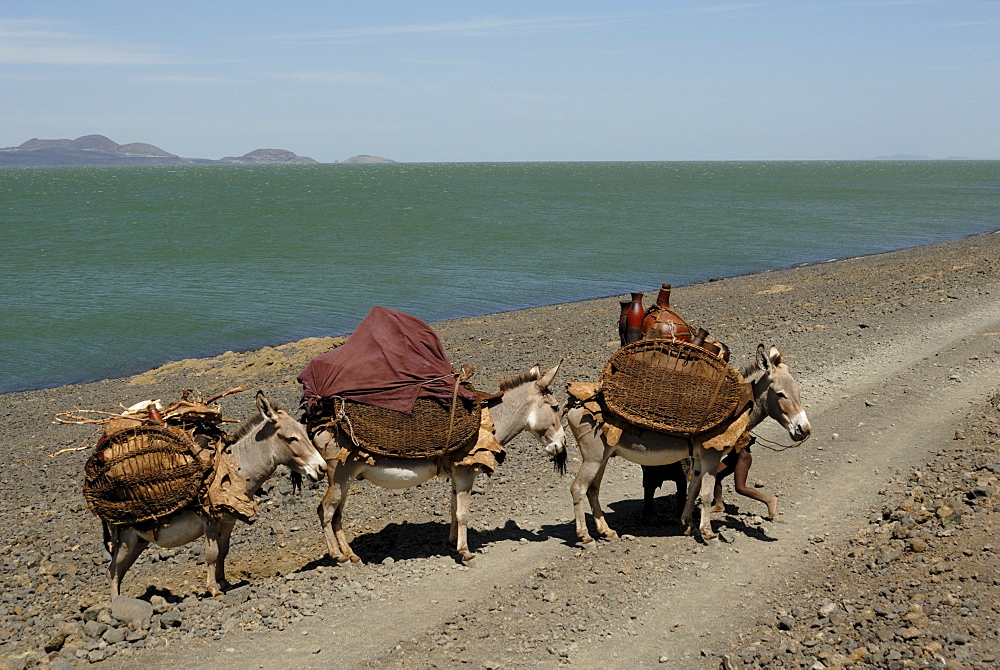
point(711, 403)
point(342, 416)
point(778, 446)
point(459, 378)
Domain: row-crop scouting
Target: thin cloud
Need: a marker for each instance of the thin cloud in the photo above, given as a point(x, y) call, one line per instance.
point(972, 24)
point(476, 27)
point(188, 79)
point(38, 42)
point(320, 77)
point(721, 9)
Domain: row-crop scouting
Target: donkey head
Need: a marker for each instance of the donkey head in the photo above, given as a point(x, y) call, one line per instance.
point(528, 404)
point(294, 447)
point(783, 401)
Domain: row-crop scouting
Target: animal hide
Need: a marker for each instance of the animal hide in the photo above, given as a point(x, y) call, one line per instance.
point(226, 493)
point(486, 453)
point(734, 432)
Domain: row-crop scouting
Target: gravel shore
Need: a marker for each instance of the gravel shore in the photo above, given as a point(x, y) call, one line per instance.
point(885, 556)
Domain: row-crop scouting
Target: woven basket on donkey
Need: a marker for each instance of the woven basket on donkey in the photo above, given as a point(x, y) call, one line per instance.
point(423, 434)
point(142, 474)
point(670, 386)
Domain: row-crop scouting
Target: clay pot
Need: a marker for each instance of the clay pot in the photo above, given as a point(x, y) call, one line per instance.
point(633, 319)
point(154, 414)
point(622, 319)
point(662, 322)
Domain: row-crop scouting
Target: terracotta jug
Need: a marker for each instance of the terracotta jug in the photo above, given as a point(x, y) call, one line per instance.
point(622, 319)
point(633, 319)
point(154, 414)
point(699, 338)
point(663, 322)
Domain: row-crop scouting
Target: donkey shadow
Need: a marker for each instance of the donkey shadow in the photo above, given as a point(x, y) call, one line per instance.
point(429, 539)
point(626, 516)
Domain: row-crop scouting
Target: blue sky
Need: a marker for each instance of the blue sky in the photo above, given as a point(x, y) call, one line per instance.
point(509, 81)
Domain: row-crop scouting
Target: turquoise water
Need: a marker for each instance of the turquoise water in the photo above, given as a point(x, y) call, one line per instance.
point(107, 271)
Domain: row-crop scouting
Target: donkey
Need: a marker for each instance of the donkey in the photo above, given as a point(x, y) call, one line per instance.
point(775, 393)
point(269, 439)
point(525, 403)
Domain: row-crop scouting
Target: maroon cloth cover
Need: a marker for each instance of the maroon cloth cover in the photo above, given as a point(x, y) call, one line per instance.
point(392, 359)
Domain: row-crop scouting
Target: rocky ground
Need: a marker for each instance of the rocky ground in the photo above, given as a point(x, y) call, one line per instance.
point(883, 556)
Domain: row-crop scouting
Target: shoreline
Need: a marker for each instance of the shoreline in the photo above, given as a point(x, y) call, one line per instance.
point(311, 343)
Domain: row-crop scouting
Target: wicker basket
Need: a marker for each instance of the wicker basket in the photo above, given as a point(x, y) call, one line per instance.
point(142, 474)
point(670, 386)
point(423, 434)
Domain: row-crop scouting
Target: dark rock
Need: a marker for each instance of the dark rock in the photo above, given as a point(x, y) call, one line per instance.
point(171, 619)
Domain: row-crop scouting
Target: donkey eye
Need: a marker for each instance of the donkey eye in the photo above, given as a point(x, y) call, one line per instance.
point(781, 394)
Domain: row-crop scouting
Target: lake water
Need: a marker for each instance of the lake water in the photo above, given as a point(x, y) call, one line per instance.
point(108, 271)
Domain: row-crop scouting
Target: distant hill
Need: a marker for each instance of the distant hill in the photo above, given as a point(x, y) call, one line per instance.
point(267, 157)
point(99, 150)
point(365, 158)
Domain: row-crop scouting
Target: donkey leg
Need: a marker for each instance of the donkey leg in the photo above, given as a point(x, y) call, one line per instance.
point(710, 459)
point(126, 544)
point(214, 567)
point(594, 495)
point(595, 453)
point(694, 487)
point(325, 510)
point(331, 506)
point(344, 485)
point(462, 480)
point(223, 538)
point(579, 489)
point(331, 509)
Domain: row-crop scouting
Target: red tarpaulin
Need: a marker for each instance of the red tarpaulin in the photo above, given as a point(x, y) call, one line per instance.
point(392, 359)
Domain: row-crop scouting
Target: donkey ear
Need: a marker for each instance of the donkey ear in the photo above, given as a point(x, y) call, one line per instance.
point(535, 372)
point(762, 359)
point(546, 381)
point(775, 356)
point(265, 407)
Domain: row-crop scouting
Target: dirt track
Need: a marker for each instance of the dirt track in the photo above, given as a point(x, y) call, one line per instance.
point(895, 351)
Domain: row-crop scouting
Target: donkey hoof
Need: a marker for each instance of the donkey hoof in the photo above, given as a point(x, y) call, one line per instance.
point(589, 545)
point(718, 509)
point(355, 558)
point(467, 557)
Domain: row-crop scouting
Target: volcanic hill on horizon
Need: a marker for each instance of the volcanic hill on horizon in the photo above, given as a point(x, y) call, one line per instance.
point(91, 150)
